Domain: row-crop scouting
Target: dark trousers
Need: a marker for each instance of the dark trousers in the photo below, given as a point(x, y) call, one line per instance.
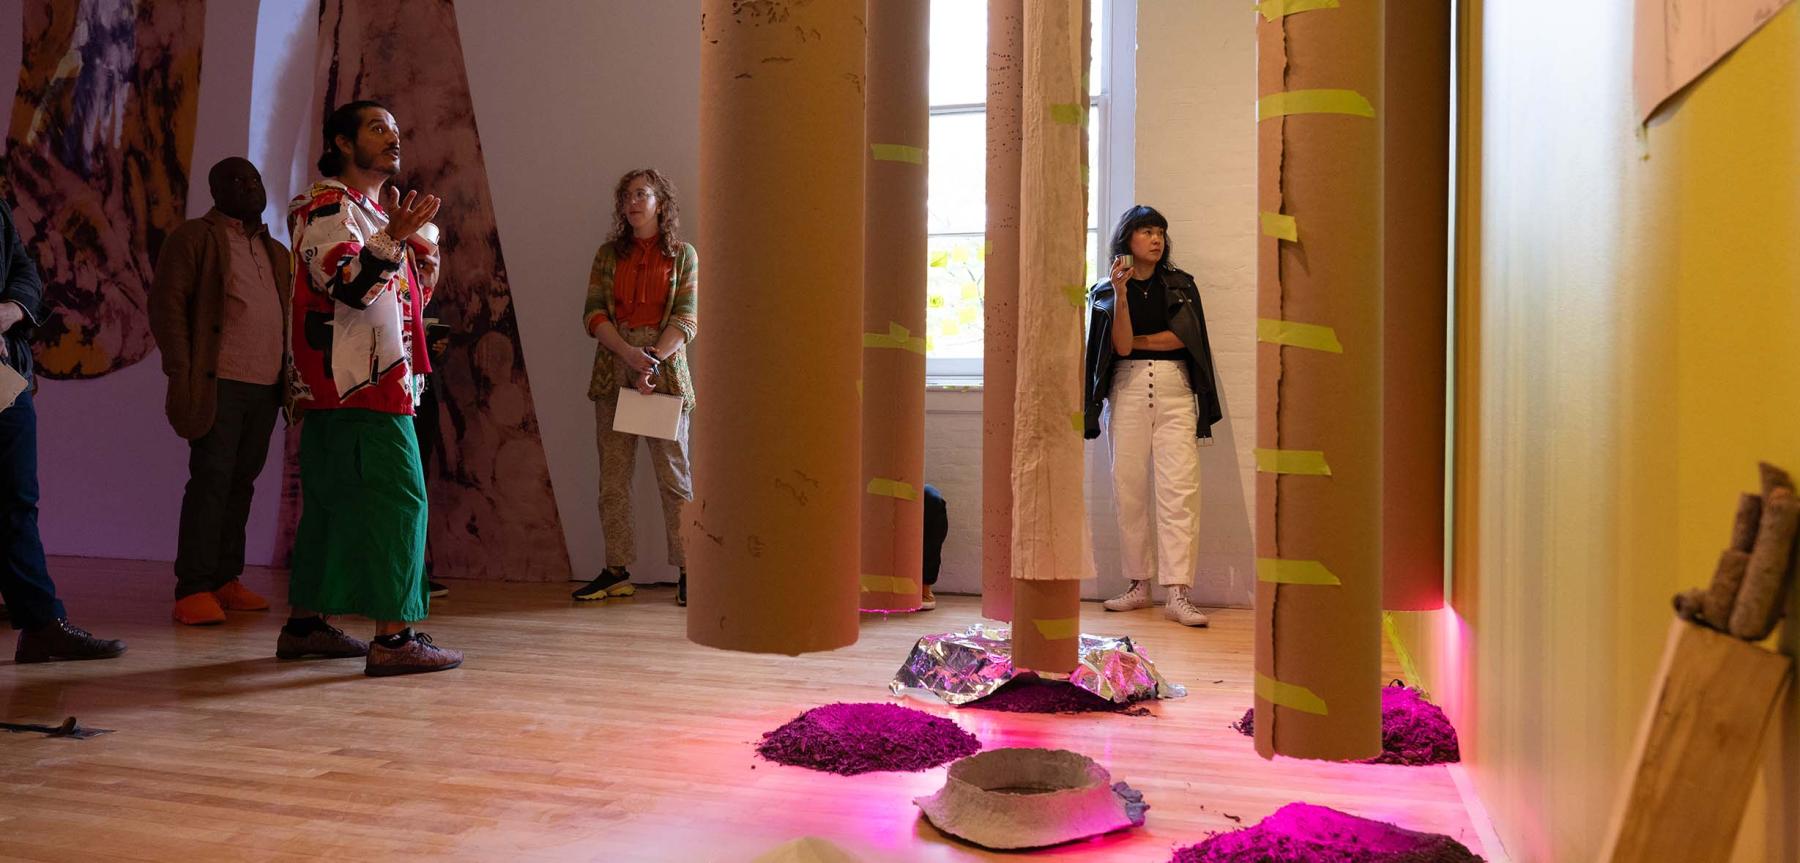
point(222, 468)
point(24, 578)
point(937, 527)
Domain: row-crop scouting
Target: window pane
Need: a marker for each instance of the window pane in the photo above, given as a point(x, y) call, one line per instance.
point(958, 52)
point(958, 174)
point(1096, 14)
point(1095, 169)
point(953, 297)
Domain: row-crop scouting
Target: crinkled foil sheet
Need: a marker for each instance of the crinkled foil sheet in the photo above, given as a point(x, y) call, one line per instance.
point(960, 667)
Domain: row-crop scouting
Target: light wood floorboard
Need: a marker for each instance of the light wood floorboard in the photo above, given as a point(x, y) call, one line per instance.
point(578, 732)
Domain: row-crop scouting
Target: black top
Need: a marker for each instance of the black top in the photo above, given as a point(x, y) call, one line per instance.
point(1148, 301)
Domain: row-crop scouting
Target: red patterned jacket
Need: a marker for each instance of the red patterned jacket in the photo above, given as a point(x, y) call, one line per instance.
point(356, 306)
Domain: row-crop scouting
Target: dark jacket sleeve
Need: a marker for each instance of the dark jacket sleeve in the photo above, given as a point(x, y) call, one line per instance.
point(23, 286)
point(171, 295)
point(1099, 346)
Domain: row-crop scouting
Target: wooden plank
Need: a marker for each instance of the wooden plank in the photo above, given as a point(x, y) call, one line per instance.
point(1696, 754)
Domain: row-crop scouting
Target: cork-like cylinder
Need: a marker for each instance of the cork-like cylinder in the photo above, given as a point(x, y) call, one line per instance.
point(1046, 626)
point(1766, 575)
point(1000, 300)
point(1743, 525)
point(1727, 580)
point(1416, 227)
point(1319, 438)
point(772, 532)
point(893, 368)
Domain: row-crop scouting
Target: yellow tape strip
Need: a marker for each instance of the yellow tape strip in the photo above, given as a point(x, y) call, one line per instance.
point(1059, 629)
point(1069, 115)
point(1304, 462)
point(892, 488)
point(1313, 102)
point(1277, 571)
point(1078, 419)
point(1281, 227)
point(1076, 294)
point(1288, 695)
point(1273, 9)
point(887, 584)
point(1298, 335)
point(1407, 668)
point(898, 153)
point(897, 337)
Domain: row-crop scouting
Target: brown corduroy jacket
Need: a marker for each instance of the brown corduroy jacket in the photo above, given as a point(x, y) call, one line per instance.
point(187, 315)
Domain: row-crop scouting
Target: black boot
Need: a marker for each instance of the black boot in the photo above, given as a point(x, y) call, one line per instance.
point(60, 639)
point(681, 589)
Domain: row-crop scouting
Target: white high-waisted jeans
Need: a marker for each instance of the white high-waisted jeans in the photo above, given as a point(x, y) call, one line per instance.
point(1151, 426)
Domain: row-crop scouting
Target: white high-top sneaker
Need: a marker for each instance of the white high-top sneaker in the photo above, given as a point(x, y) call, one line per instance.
point(1180, 610)
point(1131, 600)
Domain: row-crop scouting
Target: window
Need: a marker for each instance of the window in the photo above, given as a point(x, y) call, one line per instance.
point(957, 208)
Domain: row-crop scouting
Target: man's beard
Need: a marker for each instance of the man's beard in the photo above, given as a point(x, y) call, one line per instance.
point(366, 161)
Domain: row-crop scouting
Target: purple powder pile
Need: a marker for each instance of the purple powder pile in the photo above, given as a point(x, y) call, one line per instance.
point(1414, 732)
point(1029, 693)
point(848, 739)
point(1303, 833)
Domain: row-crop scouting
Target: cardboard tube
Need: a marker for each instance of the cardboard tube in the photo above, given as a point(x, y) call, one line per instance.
point(1743, 526)
point(772, 537)
point(1727, 580)
point(1759, 601)
point(1326, 171)
point(1000, 300)
point(893, 404)
point(1046, 625)
point(1416, 227)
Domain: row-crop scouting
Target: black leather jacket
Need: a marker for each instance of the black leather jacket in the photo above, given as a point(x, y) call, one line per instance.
point(1187, 320)
point(19, 283)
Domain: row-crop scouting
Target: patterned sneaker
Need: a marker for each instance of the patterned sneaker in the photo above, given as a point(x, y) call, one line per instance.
point(1180, 610)
point(61, 639)
point(609, 582)
point(320, 639)
point(1131, 600)
point(234, 596)
point(416, 656)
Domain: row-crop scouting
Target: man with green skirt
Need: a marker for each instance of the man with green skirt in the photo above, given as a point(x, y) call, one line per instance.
point(362, 278)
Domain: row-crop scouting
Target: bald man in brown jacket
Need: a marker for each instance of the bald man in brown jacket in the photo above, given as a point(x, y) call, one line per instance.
point(218, 309)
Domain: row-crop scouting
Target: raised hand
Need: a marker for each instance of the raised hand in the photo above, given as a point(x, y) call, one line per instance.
point(406, 215)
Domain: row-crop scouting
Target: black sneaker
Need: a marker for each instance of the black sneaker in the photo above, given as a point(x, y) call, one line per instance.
point(609, 582)
point(61, 639)
point(436, 589)
point(681, 589)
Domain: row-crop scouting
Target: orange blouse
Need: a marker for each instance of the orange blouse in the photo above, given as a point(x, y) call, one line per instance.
point(641, 284)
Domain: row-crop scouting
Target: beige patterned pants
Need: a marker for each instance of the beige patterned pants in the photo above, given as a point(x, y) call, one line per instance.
point(618, 461)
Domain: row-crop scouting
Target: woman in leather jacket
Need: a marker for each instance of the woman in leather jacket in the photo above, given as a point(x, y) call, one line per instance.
point(1155, 340)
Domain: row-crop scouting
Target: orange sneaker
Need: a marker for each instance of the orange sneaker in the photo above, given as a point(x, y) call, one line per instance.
point(234, 596)
point(198, 609)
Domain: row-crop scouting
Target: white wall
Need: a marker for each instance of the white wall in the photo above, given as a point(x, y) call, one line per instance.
point(569, 97)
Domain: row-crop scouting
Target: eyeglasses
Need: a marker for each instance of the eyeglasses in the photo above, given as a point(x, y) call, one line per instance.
point(641, 195)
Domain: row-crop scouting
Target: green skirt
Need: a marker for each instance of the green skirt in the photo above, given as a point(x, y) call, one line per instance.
point(360, 547)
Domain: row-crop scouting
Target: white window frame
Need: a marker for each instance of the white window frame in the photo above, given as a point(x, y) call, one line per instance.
point(1115, 110)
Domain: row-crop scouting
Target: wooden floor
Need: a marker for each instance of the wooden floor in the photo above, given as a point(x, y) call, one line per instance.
point(591, 732)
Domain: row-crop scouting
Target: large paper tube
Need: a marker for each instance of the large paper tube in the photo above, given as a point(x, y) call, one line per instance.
point(1318, 502)
point(1416, 216)
point(1046, 626)
point(1000, 300)
point(772, 531)
point(893, 370)
point(1050, 527)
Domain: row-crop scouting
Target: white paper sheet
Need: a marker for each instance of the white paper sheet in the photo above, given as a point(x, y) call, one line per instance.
point(655, 415)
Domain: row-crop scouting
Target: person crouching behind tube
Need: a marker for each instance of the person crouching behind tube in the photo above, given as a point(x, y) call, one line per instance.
point(1150, 371)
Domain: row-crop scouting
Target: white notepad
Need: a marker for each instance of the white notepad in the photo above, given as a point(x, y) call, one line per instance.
point(11, 384)
point(653, 415)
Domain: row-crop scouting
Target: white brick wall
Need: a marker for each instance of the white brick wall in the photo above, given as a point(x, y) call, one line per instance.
point(1196, 162)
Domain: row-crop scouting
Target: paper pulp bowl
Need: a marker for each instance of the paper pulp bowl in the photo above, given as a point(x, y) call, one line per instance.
point(1030, 798)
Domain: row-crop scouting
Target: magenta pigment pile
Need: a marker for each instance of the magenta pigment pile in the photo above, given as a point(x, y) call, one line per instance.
point(1414, 732)
point(1303, 833)
point(1029, 693)
point(864, 738)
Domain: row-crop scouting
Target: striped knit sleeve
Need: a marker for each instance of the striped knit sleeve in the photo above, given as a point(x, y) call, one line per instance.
point(599, 292)
point(685, 313)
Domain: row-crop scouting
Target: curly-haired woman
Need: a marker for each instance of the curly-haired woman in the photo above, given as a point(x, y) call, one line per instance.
point(641, 301)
